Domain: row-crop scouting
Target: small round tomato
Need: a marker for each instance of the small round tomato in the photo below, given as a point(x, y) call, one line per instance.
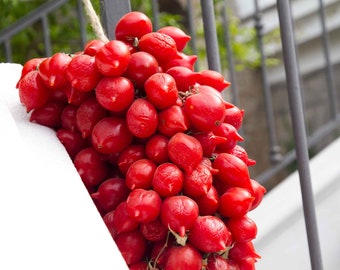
point(72, 141)
point(185, 78)
point(235, 202)
point(115, 93)
point(133, 25)
point(68, 117)
point(161, 90)
point(156, 148)
point(141, 66)
point(243, 229)
point(179, 213)
point(132, 245)
point(129, 155)
point(183, 257)
point(144, 205)
point(92, 46)
point(208, 203)
point(140, 174)
point(214, 79)
point(113, 58)
point(167, 180)
point(161, 46)
point(209, 234)
point(110, 193)
point(185, 151)
point(82, 72)
point(259, 192)
point(179, 36)
point(154, 230)
point(142, 118)
point(198, 182)
point(172, 120)
point(205, 109)
point(111, 135)
point(48, 115)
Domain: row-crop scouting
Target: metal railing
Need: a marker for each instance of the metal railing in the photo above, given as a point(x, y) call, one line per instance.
point(303, 142)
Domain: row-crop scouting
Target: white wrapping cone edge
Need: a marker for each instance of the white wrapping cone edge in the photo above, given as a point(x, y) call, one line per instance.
point(48, 220)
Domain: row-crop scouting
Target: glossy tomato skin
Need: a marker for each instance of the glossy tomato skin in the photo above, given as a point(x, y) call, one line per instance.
point(91, 166)
point(111, 135)
point(53, 70)
point(214, 79)
point(92, 46)
point(259, 192)
point(82, 72)
point(183, 258)
point(172, 120)
point(132, 245)
point(140, 174)
point(161, 90)
point(206, 110)
point(142, 118)
point(209, 234)
point(144, 205)
point(115, 93)
point(179, 213)
point(132, 25)
point(72, 141)
point(232, 171)
point(156, 148)
point(185, 151)
point(161, 46)
point(235, 202)
point(208, 203)
point(198, 182)
point(129, 155)
point(48, 115)
point(243, 229)
point(113, 58)
point(110, 193)
point(141, 66)
point(167, 180)
point(179, 36)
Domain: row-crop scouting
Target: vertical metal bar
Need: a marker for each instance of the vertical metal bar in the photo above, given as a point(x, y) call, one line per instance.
point(192, 31)
point(111, 12)
point(82, 23)
point(230, 57)
point(295, 103)
point(274, 152)
point(8, 51)
point(46, 35)
point(155, 14)
point(329, 72)
point(210, 34)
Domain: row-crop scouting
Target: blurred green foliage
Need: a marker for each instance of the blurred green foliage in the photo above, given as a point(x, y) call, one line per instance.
point(65, 32)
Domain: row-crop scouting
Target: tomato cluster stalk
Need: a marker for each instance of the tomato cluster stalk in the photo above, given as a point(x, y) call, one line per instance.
point(155, 144)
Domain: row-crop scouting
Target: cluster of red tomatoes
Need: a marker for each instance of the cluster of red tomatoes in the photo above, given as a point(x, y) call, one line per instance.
point(155, 144)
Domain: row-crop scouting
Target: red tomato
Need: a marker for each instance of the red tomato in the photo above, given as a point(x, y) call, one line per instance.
point(167, 180)
point(183, 258)
point(234, 116)
point(129, 155)
point(198, 182)
point(82, 73)
point(144, 205)
point(141, 66)
point(230, 132)
point(235, 202)
point(243, 229)
point(161, 46)
point(132, 245)
point(209, 142)
point(161, 90)
point(92, 46)
point(209, 234)
point(185, 151)
point(259, 192)
point(119, 221)
point(110, 193)
point(179, 213)
point(72, 141)
point(53, 70)
point(242, 251)
point(217, 262)
point(214, 79)
point(172, 120)
point(142, 118)
point(68, 117)
point(89, 113)
point(205, 109)
point(133, 25)
point(91, 166)
point(48, 115)
point(156, 148)
point(111, 135)
point(208, 203)
point(241, 153)
point(113, 58)
point(30, 65)
point(179, 36)
point(140, 174)
point(115, 94)
point(185, 78)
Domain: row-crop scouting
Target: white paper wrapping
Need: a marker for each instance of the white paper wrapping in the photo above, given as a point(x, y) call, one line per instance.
point(48, 220)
